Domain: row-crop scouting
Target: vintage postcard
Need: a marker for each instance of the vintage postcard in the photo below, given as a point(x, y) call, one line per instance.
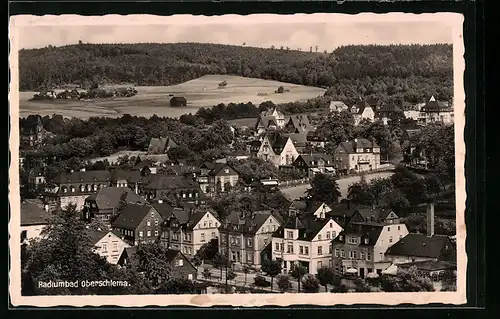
point(307, 159)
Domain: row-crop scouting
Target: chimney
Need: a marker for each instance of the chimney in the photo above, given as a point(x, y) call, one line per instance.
point(430, 219)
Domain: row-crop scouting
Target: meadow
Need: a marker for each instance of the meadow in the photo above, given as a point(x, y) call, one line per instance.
point(150, 100)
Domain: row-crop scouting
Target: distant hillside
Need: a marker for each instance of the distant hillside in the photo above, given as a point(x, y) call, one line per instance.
point(409, 72)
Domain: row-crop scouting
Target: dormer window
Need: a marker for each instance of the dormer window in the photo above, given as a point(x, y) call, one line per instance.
point(367, 241)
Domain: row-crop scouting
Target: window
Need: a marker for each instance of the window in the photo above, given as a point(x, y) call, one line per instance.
point(202, 237)
point(149, 233)
point(156, 223)
point(306, 250)
point(399, 227)
point(210, 224)
point(301, 250)
point(351, 240)
point(152, 214)
point(331, 225)
point(115, 246)
point(104, 247)
point(238, 241)
point(336, 252)
point(320, 250)
point(400, 236)
point(281, 246)
point(273, 228)
point(352, 254)
point(390, 239)
point(319, 237)
point(327, 235)
point(329, 249)
point(289, 234)
point(277, 246)
point(342, 253)
point(149, 223)
point(141, 234)
point(289, 249)
point(204, 224)
point(249, 242)
point(388, 228)
point(362, 256)
point(156, 233)
point(213, 234)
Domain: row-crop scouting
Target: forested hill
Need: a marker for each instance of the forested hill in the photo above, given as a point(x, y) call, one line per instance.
point(363, 69)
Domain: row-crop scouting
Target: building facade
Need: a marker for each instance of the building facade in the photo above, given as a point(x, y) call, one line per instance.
point(358, 155)
point(278, 150)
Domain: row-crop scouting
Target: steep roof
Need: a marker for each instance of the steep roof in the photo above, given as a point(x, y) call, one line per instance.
point(131, 176)
point(266, 121)
point(248, 225)
point(298, 139)
point(389, 108)
point(96, 235)
point(361, 106)
point(109, 197)
point(420, 245)
point(164, 209)
point(131, 216)
point(82, 177)
point(308, 226)
point(160, 144)
point(373, 214)
point(433, 105)
point(351, 146)
point(316, 157)
point(33, 214)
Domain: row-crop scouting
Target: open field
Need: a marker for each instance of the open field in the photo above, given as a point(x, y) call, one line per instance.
point(113, 158)
point(299, 191)
point(201, 92)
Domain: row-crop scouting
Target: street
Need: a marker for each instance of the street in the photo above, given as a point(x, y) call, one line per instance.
point(299, 191)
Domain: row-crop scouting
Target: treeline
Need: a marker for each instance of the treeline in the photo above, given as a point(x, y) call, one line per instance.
point(360, 68)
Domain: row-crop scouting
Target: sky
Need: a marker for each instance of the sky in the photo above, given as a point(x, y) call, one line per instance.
point(327, 31)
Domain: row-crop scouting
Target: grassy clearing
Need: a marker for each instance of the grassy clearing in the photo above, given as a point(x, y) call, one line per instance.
point(201, 92)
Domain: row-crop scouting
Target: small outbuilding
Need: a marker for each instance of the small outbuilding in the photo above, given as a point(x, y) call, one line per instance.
point(178, 101)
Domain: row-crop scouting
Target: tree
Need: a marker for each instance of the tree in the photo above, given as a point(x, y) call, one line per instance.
point(397, 201)
point(379, 186)
point(297, 272)
point(410, 185)
point(339, 127)
point(64, 253)
point(177, 286)
point(207, 274)
point(283, 282)
point(152, 262)
point(220, 262)
point(246, 270)
point(310, 283)
point(324, 188)
point(231, 275)
point(360, 193)
point(260, 281)
point(272, 268)
point(280, 89)
point(326, 276)
point(407, 280)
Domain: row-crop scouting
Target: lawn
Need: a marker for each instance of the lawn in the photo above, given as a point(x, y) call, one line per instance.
point(201, 92)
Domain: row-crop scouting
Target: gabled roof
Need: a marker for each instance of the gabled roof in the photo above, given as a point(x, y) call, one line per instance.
point(266, 121)
point(431, 265)
point(299, 122)
point(361, 106)
point(298, 205)
point(389, 108)
point(131, 216)
point(308, 159)
point(277, 142)
point(367, 230)
point(83, 177)
point(215, 168)
point(373, 214)
point(351, 146)
point(96, 235)
point(33, 214)
point(298, 139)
point(308, 226)
point(420, 245)
point(248, 225)
point(109, 197)
point(433, 105)
point(160, 144)
point(164, 209)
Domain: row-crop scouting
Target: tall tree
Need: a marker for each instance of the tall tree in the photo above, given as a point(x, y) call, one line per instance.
point(326, 277)
point(324, 188)
point(310, 283)
point(297, 272)
point(272, 268)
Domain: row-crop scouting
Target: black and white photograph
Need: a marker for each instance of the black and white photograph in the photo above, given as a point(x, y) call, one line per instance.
point(237, 160)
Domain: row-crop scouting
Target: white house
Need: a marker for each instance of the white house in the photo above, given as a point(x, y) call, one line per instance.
point(359, 155)
point(33, 220)
point(436, 111)
point(108, 244)
point(362, 110)
point(277, 149)
point(305, 240)
point(338, 106)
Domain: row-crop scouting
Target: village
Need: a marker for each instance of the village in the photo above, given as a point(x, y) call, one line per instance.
point(291, 205)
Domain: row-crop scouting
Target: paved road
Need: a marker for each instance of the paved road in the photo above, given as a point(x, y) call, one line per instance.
point(299, 191)
point(240, 280)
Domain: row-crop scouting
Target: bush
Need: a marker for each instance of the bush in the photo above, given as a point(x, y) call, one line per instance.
point(310, 283)
point(260, 281)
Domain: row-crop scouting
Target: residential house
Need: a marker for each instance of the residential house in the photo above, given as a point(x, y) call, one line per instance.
point(436, 111)
point(297, 124)
point(187, 230)
point(315, 139)
point(253, 147)
point(271, 119)
point(362, 110)
point(423, 247)
point(389, 112)
point(442, 273)
point(181, 267)
point(108, 244)
point(104, 204)
point(299, 140)
point(278, 150)
point(178, 101)
point(217, 177)
point(34, 218)
point(138, 223)
point(338, 106)
point(160, 145)
point(305, 240)
point(244, 236)
point(185, 189)
point(359, 155)
point(36, 178)
point(361, 247)
point(74, 187)
point(31, 130)
point(315, 164)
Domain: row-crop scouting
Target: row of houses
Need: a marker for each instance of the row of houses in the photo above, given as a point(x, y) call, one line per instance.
point(351, 240)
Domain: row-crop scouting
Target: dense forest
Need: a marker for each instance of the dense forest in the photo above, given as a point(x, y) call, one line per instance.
point(398, 72)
